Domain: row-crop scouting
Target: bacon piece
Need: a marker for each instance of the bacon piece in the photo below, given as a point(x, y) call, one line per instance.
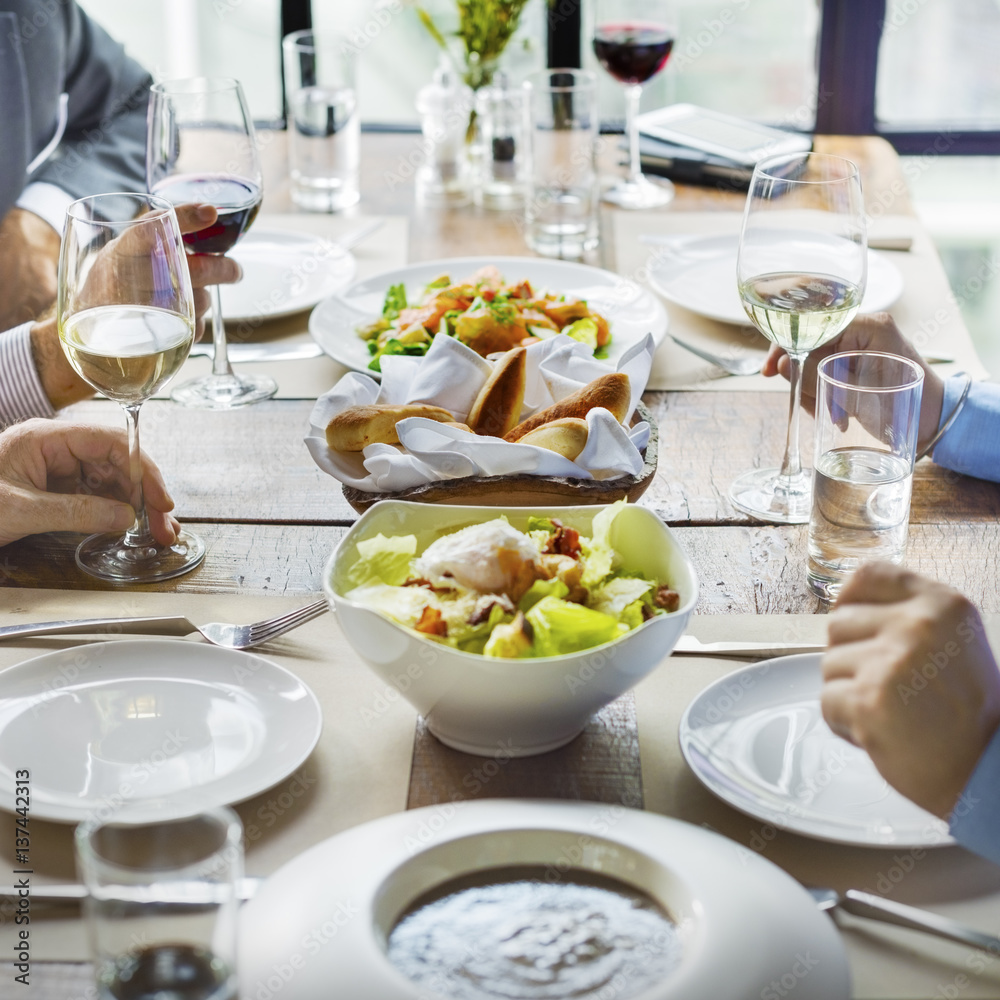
point(431, 622)
point(667, 599)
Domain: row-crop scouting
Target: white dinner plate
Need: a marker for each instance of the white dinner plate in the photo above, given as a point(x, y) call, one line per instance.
point(631, 310)
point(179, 724)
point(284, 273)
point(699, 273)
point(757, 739)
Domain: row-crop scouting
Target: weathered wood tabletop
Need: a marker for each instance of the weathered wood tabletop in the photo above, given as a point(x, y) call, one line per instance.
point(246, 483)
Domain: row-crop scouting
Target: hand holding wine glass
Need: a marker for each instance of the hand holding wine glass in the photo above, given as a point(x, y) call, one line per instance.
point(633, 40)
point(801, 272)
point(125, 315)
point(201, 147)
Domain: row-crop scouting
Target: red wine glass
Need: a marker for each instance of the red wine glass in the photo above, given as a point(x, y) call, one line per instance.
point(201, 147)
point(633, 40)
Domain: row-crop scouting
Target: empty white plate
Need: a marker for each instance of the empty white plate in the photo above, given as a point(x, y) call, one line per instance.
point(699, 273)
point(631, 310)
point(757, 739)
point(176, 724)
point(283, 273)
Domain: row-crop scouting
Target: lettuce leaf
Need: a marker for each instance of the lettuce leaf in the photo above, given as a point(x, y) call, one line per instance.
point(542, 588)
point(564, 627)
point(616, 594)
point(384, 559)
point(600, 557)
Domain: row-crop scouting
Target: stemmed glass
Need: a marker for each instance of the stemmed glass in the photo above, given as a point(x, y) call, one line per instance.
point(201, 147)
point(633, 40)
point(801, 271)
point(126, 322)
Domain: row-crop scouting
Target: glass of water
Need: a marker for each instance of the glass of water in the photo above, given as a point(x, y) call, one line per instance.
point(162, 903)
point(867, 417)
point(324, 131)
point(560, 214)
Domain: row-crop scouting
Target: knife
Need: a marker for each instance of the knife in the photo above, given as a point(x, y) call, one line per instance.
point(261, 352)
point(71, 892)
point(864, 904)
point(902, 243)
point(688, 645)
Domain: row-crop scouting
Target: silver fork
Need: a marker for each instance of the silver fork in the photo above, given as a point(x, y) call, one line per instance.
point(218, 633)
point(748, 364)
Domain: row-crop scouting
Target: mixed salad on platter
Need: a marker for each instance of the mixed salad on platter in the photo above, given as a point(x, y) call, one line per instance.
point(483, 312)
point(493, 590)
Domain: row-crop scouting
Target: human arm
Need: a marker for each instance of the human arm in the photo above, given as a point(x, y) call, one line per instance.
point(877, 332)
point(910, 677)
point(66, 477)
point(36, 378)
point(100, 148)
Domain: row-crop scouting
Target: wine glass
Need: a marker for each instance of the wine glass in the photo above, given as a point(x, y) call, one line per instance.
point(801, 272)
point(633, 40)
point(125, 314)
point(201, 147)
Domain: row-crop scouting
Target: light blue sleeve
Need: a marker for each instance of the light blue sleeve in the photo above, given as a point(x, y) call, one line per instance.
point(975, 822)
point(972, 444)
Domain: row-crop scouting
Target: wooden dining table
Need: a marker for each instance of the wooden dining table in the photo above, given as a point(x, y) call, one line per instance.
point(244, 481)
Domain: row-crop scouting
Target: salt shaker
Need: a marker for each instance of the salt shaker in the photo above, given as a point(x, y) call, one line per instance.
point(444, 106)
point(504, 126)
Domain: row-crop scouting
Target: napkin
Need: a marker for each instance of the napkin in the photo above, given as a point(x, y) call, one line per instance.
point(450, 375)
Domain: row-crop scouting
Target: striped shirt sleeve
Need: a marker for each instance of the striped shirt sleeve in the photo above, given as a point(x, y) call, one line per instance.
point(21, 392)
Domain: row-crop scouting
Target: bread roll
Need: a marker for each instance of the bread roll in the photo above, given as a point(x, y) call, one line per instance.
point(566, 436)
point(357, 427)
point(498, 405)
point(610, 391)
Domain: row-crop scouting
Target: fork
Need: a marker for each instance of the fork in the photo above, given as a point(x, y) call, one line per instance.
point(218, 633)
point(749, 364)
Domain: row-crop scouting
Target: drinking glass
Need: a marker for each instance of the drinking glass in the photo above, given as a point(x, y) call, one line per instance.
point(324, 130)
point(801, 272)
point(162, 904)
point(125, 313)
point(201, 147)
point(560, 213)
point(867, 418)
point(632, 41)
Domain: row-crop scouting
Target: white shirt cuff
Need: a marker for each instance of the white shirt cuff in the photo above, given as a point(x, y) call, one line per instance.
point(21, 392)
point(47, 201)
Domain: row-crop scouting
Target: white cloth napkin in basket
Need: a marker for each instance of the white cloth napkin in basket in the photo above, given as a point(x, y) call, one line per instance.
point(450, 375)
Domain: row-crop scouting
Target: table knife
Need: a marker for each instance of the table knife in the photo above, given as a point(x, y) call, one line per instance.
point(72, 892)
point(688, 645)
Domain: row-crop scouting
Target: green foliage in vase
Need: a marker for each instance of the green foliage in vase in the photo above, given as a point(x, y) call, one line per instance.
point(484, 29)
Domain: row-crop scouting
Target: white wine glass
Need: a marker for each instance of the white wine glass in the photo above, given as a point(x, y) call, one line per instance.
point(125, 314)
point(801, 272)
point(201, 147)
point(633, 40)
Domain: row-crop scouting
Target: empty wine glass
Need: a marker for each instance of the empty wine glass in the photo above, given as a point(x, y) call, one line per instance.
point(633, 40)
point(125, 313)
point(201, 147)
point(801, 271)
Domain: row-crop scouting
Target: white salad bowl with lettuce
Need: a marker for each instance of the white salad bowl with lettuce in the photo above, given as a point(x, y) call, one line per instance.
point(507, 628)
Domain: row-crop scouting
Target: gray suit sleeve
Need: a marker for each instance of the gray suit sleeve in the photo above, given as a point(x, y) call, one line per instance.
point(104, 146)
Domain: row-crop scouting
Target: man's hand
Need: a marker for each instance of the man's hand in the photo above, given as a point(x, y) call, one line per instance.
point(877, 332)
point(61, 383)
point(29, 261)
point(66, 477)
point(910, 678)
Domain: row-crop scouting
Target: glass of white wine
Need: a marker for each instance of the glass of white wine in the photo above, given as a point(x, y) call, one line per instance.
point(126, 322)
point(801, 272)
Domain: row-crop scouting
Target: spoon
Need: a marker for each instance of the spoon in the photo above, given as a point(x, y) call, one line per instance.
point(864, 904)
point(749, 364)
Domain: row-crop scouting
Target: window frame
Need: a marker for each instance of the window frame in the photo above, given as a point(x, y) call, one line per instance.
point(850, 32)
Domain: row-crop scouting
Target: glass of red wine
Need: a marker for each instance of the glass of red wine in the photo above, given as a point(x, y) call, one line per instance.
point(201, 147)
point(633, 40)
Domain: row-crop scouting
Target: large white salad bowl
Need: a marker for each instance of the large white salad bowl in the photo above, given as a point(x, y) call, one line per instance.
point(506, 707)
